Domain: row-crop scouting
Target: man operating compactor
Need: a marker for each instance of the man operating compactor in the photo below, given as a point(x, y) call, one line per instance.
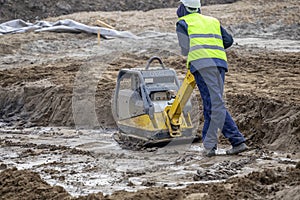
point(203, 40)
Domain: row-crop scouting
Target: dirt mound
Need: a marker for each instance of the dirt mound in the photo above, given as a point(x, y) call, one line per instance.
point(24, 184)
point(268, 122)
point(21, 103)
point(35, 10)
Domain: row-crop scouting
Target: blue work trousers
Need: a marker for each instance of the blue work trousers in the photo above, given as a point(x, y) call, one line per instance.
point(210, 81)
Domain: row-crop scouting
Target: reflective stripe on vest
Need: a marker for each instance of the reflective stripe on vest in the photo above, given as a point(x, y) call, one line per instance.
point(205, 38)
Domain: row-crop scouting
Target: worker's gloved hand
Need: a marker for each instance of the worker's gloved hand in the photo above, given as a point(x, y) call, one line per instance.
point(171, 101)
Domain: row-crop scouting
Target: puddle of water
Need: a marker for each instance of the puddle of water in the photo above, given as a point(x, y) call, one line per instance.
point(108, 168)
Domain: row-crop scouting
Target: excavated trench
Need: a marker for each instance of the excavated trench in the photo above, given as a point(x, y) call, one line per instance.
point(264, 122)
point(41, 103)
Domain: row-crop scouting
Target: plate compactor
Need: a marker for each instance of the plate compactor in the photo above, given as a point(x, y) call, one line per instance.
point(150, 106)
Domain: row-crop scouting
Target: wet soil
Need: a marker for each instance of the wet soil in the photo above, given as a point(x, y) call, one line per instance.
point(57, 127)
point(267, 182)
point(87, 162)
point(278, 183)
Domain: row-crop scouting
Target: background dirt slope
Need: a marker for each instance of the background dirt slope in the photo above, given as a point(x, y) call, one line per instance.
point(35, 10)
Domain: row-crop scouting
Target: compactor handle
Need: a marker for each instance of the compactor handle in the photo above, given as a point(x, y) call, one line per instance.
point(155, 58)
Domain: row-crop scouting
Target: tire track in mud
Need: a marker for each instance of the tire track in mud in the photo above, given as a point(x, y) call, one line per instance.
point(7, 142)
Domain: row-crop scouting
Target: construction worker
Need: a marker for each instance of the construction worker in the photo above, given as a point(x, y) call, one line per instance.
point(204, 41)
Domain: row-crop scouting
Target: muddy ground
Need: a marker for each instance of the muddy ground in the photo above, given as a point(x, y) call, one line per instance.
point(56, 122)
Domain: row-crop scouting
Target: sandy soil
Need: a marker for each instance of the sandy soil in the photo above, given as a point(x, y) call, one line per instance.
point(36, 10)
point(56, 124)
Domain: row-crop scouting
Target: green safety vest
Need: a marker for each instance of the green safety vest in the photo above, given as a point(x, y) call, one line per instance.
point(205, 38)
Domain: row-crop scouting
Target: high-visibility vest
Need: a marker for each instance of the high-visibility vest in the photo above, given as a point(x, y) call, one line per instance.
point(205, 38)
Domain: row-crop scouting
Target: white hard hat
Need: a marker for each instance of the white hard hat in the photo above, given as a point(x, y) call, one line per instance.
point(191, 3)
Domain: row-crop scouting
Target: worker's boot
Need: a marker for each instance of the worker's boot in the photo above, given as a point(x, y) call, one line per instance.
point(210, 152)
point(237, 149)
